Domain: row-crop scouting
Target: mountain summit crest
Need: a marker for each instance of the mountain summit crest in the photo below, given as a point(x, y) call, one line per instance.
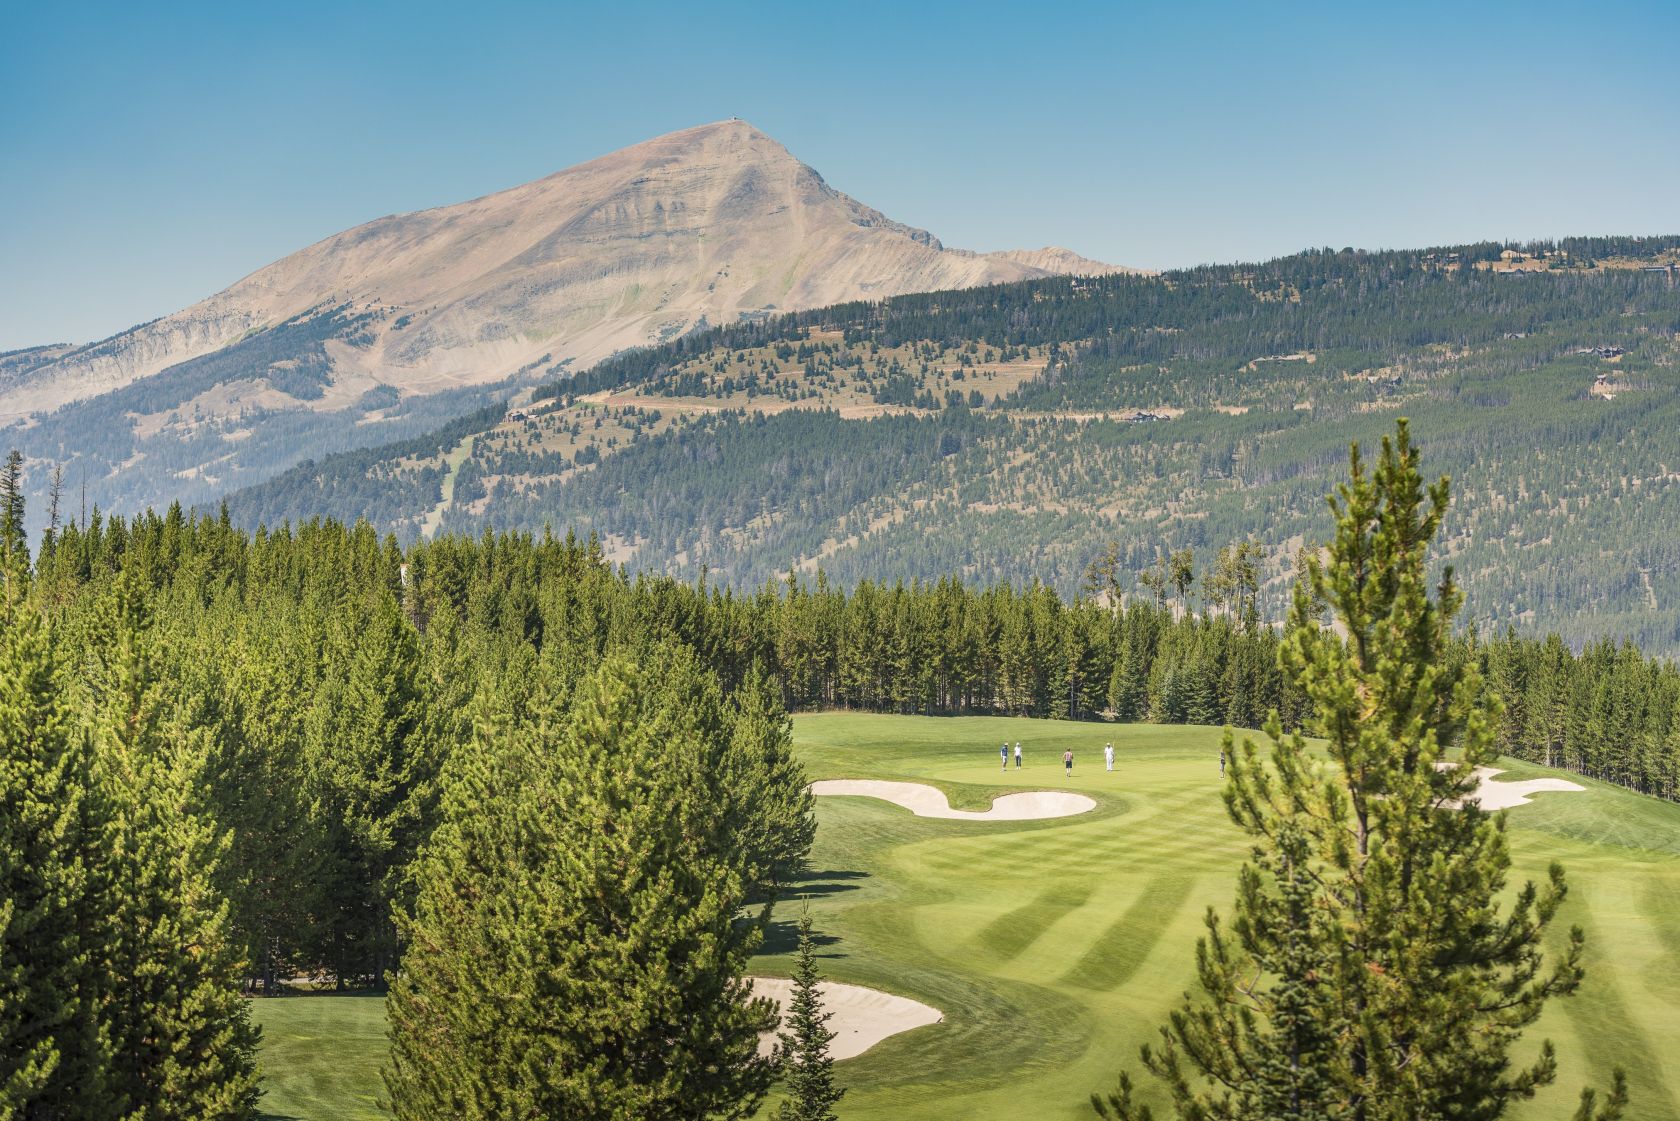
point(694, 228)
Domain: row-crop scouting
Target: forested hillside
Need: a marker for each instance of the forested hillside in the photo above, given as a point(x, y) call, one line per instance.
point(1014, 433)
point(326, 677)
point(304, 742)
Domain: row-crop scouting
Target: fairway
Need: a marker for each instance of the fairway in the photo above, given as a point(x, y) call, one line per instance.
point(1054, 948)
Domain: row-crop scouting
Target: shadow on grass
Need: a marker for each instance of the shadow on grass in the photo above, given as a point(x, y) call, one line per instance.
point(820, 885)
point(781, 936)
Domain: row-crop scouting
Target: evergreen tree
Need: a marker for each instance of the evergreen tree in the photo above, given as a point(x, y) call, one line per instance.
point(772, 817)
point(807, 1068)
point(273, 869)
point(370, 775)
point(52, 945)
point(14, 544)
point(574, 950)
point(1128, 692)
point(181, 1041)
point(1372, 972)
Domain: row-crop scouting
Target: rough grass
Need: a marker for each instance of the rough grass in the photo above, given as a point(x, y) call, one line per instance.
point(1055, 948)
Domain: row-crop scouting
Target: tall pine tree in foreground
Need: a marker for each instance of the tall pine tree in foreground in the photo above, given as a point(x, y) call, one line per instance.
point(182, 1045)
point(771, 823)
point(575, 949)
point(1372, 971)
point(52, 941)
point(807, 1068)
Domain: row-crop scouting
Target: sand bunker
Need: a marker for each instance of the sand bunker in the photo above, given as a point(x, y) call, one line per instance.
point(1492, 795)
point(925, 801)
point(861, 1017)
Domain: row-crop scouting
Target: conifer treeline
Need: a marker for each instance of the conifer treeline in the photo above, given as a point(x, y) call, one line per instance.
point(337, 671)
point(118, 962)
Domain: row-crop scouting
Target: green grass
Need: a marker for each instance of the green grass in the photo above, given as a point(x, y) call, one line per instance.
point(452, 467)
point(321, 1056)
point(1054, 948)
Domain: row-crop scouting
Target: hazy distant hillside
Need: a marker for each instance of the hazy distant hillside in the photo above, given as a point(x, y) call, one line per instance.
point(349, 341)
point(1012, 431)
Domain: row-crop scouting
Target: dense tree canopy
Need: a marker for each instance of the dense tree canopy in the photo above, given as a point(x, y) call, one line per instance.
point(327, 676)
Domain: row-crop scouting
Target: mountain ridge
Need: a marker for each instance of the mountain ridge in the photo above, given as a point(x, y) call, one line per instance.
point(484, 286)
point(392, 327)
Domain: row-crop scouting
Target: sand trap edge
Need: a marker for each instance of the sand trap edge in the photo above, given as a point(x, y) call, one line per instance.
point(927, 801)
point(1492, 795)
point(861, 1017)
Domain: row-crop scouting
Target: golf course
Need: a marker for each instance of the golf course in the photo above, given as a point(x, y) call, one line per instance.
point(1055, 947)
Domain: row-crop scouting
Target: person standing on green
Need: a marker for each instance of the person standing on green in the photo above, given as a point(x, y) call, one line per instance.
point(1017, 753)
point(1067, 761)
point(1003, 753)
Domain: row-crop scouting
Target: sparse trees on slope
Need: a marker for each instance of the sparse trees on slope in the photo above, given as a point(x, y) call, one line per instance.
point(1102, 576)
point(1181, 573)
point(807, 1067)
point(1372, 972)
point(574, 950)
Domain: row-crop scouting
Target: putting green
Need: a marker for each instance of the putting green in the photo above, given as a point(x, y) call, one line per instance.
point(1055, 947)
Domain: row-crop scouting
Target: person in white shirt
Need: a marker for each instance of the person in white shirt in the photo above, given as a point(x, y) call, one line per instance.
point(1017, 753)
point(1108, 755)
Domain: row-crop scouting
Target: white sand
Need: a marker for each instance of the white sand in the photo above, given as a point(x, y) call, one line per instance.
point(1492, 795)
point(926, 801)
point(861, 1017)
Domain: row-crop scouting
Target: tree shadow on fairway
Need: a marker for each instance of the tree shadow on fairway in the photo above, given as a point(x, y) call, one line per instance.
point(821, 885)
point(781, 936)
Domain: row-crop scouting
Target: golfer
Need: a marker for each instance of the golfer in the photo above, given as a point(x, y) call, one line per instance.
point(1003, 753)
point(1067, 760)
point(1017, 753)
point(1108, 755)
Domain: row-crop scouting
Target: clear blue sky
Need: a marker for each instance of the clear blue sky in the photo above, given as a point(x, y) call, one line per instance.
point(151, 154)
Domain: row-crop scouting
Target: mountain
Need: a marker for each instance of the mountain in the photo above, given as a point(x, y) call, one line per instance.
point(338, 344)
point(1053, 259)
point(1017, 432)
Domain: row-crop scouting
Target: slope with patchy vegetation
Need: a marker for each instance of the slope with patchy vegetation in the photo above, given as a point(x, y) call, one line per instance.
point(1012, 432)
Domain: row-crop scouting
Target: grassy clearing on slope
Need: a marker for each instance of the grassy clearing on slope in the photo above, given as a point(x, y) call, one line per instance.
point(452, 462)
point(1055, 948)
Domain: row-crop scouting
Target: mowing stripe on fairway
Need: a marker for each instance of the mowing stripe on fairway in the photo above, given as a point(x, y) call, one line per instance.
point(1611, 1035)
point(1123, 948)
point(1005, 937)
point(1659, 902)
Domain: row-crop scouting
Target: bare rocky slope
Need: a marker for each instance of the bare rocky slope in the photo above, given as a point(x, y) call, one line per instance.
point(409, 321)
point(693, 228)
